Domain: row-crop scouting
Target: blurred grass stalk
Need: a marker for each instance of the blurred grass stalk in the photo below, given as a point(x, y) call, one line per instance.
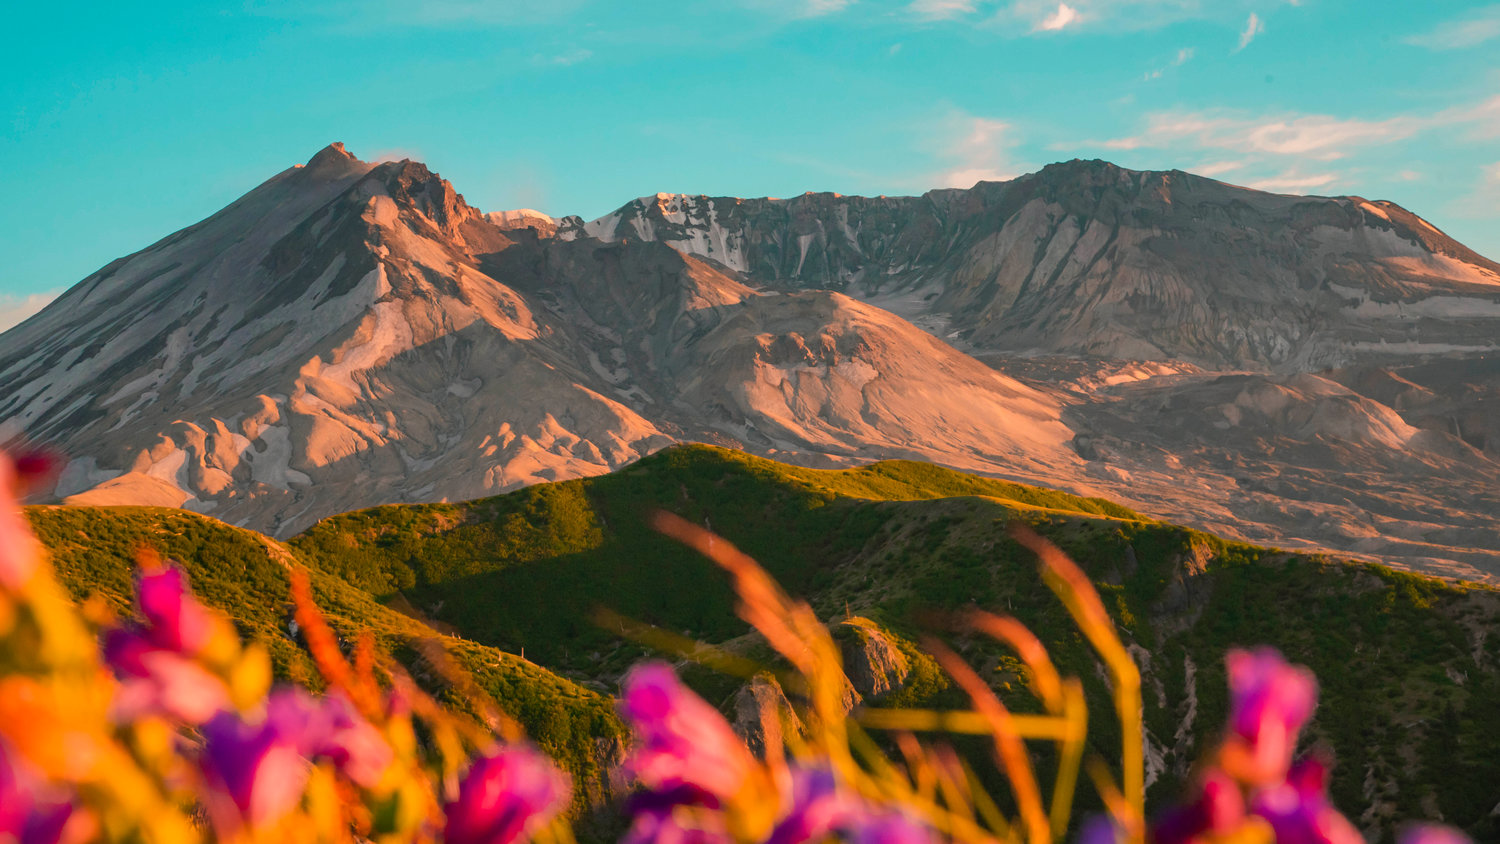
point(935, 781)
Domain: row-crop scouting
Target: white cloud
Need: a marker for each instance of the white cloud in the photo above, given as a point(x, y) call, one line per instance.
point(1483, 202)
point(1059, 19)
point(1253, 27)
point(1470, 30)
point(1216, 167)
point(15, 309)
point(1183, 56)
point(941, 9)
point(976, 149)
point(1316, 136)
point(1294, 181)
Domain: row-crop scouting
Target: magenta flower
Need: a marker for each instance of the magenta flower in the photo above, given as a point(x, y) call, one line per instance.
point(677, 824)
point(329, 728)
point(254, 772)
point(174, 618)
point(1431, 834)
point(819, 806)
point(1218, 808)
point(26, 817)
point(505, 798)
point(1298, 809)
point(680, 738)
point(1271, 700)
point(156, 681)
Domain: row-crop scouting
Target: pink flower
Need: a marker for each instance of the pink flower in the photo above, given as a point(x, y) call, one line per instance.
point(158, 681)
point(680, 738)
point(1298, 809)
point(174, 618)
point(253, 771)
point(819, 807)
point(26, 816)
point(677, 825)
point(1431, 834)
point(1218, 808)
point(505, 798)
point(1271, 700)
point(329, 728)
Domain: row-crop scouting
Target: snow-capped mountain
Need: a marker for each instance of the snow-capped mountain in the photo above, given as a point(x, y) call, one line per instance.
point(1304, 371)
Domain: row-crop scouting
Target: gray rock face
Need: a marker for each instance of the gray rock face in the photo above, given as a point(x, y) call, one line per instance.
point(872, 662)
point(1088, 258)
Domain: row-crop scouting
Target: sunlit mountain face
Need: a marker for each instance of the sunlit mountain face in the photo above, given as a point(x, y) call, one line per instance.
point(1309, 372)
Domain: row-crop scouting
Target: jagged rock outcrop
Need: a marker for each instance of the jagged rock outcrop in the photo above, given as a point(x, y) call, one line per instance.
point(873, 663)
point(762, 715)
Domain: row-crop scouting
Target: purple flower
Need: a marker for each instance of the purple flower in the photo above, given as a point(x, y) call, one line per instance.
point(1099, 829)
point(819, 806)
point(1271, 700)
point(254, 772)
point(505, 797)
point(1431, 834)
point(329, 728)
point(1218, 808)
point(680, 738)
point(174, 618)
point(157, 681)
point(678, 824)
point(26, 817)
point(1298, 809)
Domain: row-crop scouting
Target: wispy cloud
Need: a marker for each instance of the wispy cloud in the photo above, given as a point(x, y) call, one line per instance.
point(1316, 136)
point(1483, 202)
point(16, 309)
point(1058, 20)
point(1253, 27)
point(1183, 56)
point(798, 8)
point(1470, 30)
point(1294, 181)
point(571, 56)
point(977, 149)
point(941, 9)
point(1216, 168)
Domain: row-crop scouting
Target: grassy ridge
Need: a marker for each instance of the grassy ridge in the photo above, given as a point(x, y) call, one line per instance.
point(1408, 695)
point(246, 575)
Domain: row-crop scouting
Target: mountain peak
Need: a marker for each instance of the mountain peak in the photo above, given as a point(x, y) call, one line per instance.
point(334, 153)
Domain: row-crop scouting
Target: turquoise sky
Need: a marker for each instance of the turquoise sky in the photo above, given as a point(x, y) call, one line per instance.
point(127, 121)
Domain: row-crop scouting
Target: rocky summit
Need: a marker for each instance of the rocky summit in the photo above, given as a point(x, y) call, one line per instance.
point(1305, 371)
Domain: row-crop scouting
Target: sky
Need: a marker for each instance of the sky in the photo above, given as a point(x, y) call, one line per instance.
point(128, 121)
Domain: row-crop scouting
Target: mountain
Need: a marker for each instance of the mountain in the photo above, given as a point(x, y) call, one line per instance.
point(350, 334)
point(1308, 372)
point(1087, 258)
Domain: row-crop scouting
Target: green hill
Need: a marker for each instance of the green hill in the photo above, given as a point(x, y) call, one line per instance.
point(1409, 689)
point(245, 575)
point(1409, 692)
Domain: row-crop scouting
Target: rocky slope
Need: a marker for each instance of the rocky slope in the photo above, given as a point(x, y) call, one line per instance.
point(351, 334)
point(1088, 258)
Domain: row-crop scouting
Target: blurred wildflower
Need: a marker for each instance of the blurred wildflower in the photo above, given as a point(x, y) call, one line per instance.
point(681, 739)
point(505, 797)
point(157, 681)
point(1270, 701)
point(1431, 834)
point(1298, 809)
point(329, 728)
point(1218, 809)
point(253, 772)
point(26, 816)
